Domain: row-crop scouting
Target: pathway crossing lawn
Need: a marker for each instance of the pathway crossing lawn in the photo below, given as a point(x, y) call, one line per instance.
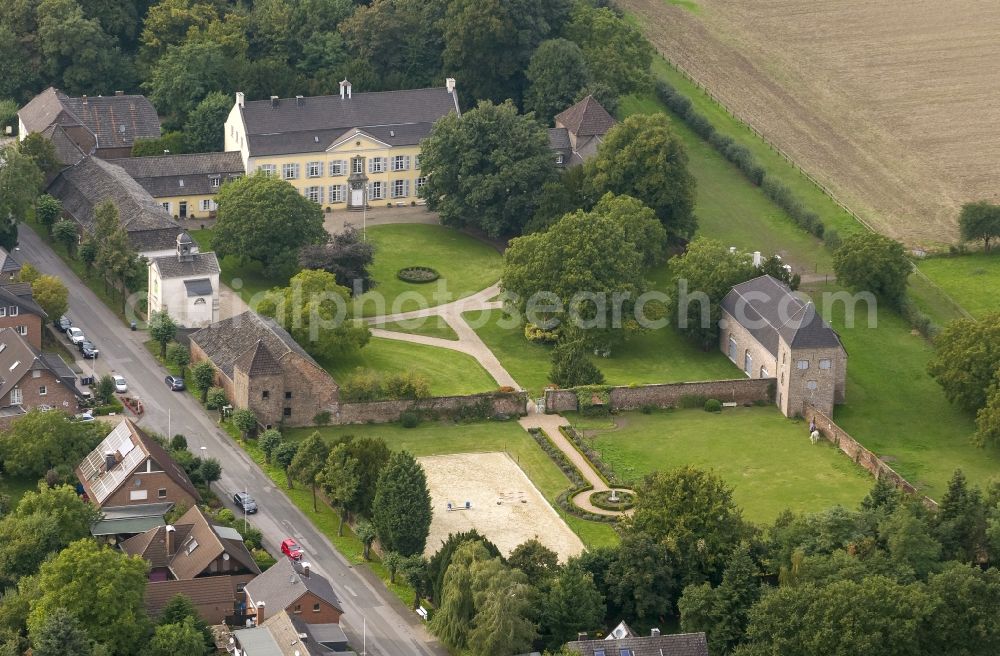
point(449, 372)
point(767, 459)
point(656, 356)
point(972, 280)
point(436, 438)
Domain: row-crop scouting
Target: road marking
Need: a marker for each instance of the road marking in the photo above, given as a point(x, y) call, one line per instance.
point(348, 588)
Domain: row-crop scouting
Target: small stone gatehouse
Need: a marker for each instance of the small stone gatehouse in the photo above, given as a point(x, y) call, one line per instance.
point(770, 332)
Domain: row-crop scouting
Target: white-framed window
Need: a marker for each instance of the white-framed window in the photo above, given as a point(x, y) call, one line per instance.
point(421, 181)
point(166, 206)
point(206, 205)
point(825, 363)
point(802, 364)
point(376, 165)
point(763, 372)
point(180, 183)
point(16, 397)
point(358, 165)
point(315, 194)
point(290, 171)
point(22, 330)
point(314, 169)
point(416, 162)
point(748, 363)
point(216, 181)
point(400, 188)
point(811, 384)
point(401, 163)
point(266, 169)
point(338, 167)
point(138, 495)
point(3, 312)
point(559, 159)
point(42, 391)
point(13, 310)
point(161, 493)
point(337, 193)
point(732, 348)
point(376, 190)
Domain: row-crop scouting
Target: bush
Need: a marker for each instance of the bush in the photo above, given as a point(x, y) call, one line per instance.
point(371, 386)
point(603, 500)
point(263, 559)
point(409, 419)
point(178, 355)
point(114, 407)
point(322, 418)
point(713, 405)
point(178, 443)
point(216, 398)
point(417, 274)
point(537, 335)
point(252, 537)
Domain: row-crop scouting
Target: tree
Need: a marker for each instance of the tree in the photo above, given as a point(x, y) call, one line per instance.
point(372, 455)
point(180, 638)
point(47, 211)
point(571, 367)
point(537, 561)
point(963, 619)
point(269, 442)
point(347, 256)
point(8, 107)
point(706, 268)
point(60, 633)
point(980, 220)
point(184, 76)
point(910, 541)
point(202, 377)
point(340, 480)
point(265, 219)
point(502, 624)
point(309, 462)
point(556, 74)
point(365, 531)
point(960, 524)
point(988, 418)
point(245, 420)
point(572, 603)
point(50, 293)
point(392, 561)
point(20, 180)
point(486, 168)
point(210, 470)
point(456, 607)
point(283, 457)
point(874, 263)
point(43, 153)
point(692, 511)
point(88, 254)
point(313, 309)
point(174, 143)
point(438, 564)
point(203, 130)
point(618, 56)
point(65, 233)
point(966, 360)
point(179, 356)
point(722, 612)
point(642, 579)
point(178, 443)
point(28, 273)
point(644, 158)
point(42, 440)
point(103, 589)
point(401, 510)
point(163, 329)
point(216, 400)
point(414, 570)
point(72, 515)
point(104, 391)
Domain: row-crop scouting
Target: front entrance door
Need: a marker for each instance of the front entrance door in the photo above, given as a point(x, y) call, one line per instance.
point(357, 197)
point(183, 209)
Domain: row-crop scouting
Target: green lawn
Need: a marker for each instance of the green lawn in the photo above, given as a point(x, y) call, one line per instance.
point(427, 326)
point(14, 487)
point(657, 356)
point(767, 459)
point(449, 372)
point(972, 280)
point(435, 438)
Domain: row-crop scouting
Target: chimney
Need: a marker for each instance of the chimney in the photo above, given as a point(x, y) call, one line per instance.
point(449, 83)
point(305, 570)
point(756, 258)
point(581, 636)
point(274, 101)
point(109, 461)
point(260, 612)
point(119, 93)
point(84, 99)
point(655, 633)
point(240, 98)
point(170, 540)
point(298, 101)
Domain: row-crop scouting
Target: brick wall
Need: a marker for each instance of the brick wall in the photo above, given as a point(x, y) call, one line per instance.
point(858, 453)
point(33, 323)
point(513, 404)
point(740, 390)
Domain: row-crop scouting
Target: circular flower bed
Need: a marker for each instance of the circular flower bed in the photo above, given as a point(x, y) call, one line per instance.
point(603, 500)
point(418, 274)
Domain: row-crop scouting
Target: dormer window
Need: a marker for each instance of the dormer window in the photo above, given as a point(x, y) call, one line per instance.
point(180, 183)
point(216, 181)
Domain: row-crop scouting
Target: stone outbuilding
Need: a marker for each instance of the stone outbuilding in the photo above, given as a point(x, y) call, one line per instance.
point(185, 285)
point(769, 332)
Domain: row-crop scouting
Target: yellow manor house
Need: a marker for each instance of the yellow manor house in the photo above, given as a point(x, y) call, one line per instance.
point(341, 151)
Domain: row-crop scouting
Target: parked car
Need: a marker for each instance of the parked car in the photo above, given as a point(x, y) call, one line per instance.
point(63, 323)
point(291, 548)
point(75, 334)
point(245, 502)
point(175, 383)
point(88, 349)
point(120, 385)
point(84, 416)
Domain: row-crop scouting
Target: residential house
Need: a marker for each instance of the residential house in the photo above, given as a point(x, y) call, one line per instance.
point(90, 182)
point(622, 641)
point(119, 523)
point(20, 312)
point(579, 131)
point(341, 151)
point(31, 379)
point(284, 634)
point(262, 368)
point(770, 332)
point(129, 468)
point(10, 266)
point(105, 126)
point(185, 185)
point(291, 586)
point(206, 562)
point(185, 285)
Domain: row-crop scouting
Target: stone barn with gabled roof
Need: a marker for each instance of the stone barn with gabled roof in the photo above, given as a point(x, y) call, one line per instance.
point(770, 332)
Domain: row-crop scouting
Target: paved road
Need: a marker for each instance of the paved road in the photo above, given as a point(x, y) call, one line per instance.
point(392, 629)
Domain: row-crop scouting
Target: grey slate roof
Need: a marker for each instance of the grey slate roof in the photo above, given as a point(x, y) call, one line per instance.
point(162, 175)
point(770, 312)
point(201, 264)
point(225, 341)
point(586, 118)
point(114, 121)
point(681, 644)
point(83, 187)
point(284, 582)
point(67, 150)
point(312, 124)
point(198, 287)
point(18, 357)
point(25, 302)
point(258, 361)
point(8, 263)
point(559, 139)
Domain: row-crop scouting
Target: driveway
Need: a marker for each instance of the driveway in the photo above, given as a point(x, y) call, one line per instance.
point(392, 629)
